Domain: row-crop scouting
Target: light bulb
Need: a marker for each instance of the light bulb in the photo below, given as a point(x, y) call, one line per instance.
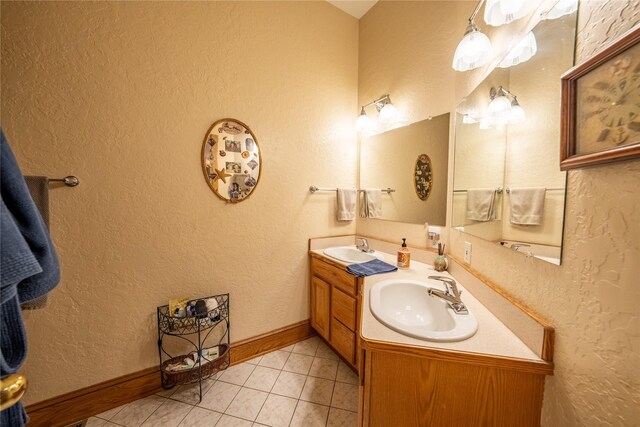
point(522, 52)
point(363, 122)
point(563, 7)
point(388, 114)
point(472, 51)
point(500, 12)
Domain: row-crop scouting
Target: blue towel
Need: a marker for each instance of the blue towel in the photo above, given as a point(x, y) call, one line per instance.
point(28, 268)
point(370, 268)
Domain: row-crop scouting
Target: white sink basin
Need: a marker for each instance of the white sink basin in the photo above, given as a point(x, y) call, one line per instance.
point(351, 255)
point(406, 307)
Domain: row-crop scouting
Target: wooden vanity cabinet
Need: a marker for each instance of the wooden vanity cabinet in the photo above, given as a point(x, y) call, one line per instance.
point(334, 306)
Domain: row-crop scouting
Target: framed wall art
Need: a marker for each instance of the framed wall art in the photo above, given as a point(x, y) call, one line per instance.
point(601, 106)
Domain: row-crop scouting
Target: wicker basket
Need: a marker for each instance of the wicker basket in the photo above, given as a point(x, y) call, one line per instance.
point(194, 374)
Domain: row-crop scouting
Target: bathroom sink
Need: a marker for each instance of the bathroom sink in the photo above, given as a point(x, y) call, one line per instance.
point(351, 255)
point(406, 307)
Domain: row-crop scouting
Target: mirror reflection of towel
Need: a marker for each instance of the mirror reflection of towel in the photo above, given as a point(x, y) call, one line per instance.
point(346, 204)
point(481, 204)
point(527, 205)
point(371, 203)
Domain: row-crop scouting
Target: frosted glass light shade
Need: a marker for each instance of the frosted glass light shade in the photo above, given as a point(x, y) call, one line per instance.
point(468, 120)
point(522, 52)
point(388, 114)
point(364, 123)
point(485, 123)
point(500, 12)
point(516, 114)
point(499, 109)
point(563, 7)
point(472, 51)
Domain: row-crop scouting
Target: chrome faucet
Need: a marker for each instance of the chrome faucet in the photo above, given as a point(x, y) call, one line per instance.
point(363, 246)
point(450, 295)
point(516, 246)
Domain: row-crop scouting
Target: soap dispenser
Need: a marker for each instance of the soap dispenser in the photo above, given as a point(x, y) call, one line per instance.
point(404, 255)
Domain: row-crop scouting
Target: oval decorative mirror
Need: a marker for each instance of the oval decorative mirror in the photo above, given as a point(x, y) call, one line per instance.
point(231, 160)
point(423, 176)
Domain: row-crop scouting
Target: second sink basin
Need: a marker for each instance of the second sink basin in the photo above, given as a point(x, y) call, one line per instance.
point(406, 307)
point(351, 255)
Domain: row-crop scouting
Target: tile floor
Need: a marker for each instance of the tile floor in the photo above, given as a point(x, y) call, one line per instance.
point(304, 385)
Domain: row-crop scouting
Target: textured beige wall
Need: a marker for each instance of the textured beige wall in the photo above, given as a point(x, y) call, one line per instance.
point(121, 94)
point(592, 298)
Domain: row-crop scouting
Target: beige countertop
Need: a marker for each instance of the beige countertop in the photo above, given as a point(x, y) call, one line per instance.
point(492, 337)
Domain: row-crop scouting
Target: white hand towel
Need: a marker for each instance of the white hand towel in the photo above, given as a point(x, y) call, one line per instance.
point(373, 198)
point(347, 204)
point(527, 205)
point(481, 204)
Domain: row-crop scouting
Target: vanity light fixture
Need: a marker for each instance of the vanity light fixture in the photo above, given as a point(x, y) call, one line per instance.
point(503, 109)
point(387, 115)
point(473, 50)
point(563, 7)
point(522, 52)
point(500, 12)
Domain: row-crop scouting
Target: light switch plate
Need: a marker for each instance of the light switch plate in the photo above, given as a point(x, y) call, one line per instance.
point(467, 252)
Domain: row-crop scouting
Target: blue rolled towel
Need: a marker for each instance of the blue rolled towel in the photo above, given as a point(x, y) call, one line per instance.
point(370, 268)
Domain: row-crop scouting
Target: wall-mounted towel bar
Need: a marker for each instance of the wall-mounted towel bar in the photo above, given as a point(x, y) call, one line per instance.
point(313, 189)
point(508, 190)
point(69, 181)
point(498, 190)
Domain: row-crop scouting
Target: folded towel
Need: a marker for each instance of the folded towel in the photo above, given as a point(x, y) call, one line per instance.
point(39, 189)
point(347, 204)
point(370, 268)
point(371, 203)
point(481, 204)
point(527, 205)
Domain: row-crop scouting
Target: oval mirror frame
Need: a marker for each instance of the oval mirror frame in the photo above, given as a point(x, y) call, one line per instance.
point(231, 165)
point(423, 177)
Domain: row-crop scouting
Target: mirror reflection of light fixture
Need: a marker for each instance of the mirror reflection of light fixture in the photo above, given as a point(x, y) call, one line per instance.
point(468, 120)
point(504, 109)
point(474, 48)
point(387, 115)
point(563, 7)
point(522, 52)
point(500, 12)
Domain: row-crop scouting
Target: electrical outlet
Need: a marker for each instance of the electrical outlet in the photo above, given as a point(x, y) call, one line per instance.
point(467, 252)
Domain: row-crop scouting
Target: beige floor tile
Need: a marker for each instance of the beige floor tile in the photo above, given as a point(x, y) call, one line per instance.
point(190, 393)
point(262, 378)
point(200, 417)
point(136, 412)
point(219, 396)
point(289, 384)
point(317, 390)
point(169, 414)
point(307, 347)
point(345, 396)
point(247, 404)
point(345, 374)
point(107, 415)
point(288, 348)
point(277, 411)
point(298, 363)
point(167, 392)
point(229, 421)
point(255, 360)
point(342, 418)
point(275, 359)
point(237, 374)
point(309, 414)
point(95, 422)
point(324, 368)
point(325, 352)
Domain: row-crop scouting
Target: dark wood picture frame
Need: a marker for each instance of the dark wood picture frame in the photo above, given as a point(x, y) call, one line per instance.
point(570, 158)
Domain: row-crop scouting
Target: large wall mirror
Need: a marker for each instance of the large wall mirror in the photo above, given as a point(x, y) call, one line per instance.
point(508, 187)
point(413, 161)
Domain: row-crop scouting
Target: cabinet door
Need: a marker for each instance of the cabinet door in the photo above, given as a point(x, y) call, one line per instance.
point(320, 306)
